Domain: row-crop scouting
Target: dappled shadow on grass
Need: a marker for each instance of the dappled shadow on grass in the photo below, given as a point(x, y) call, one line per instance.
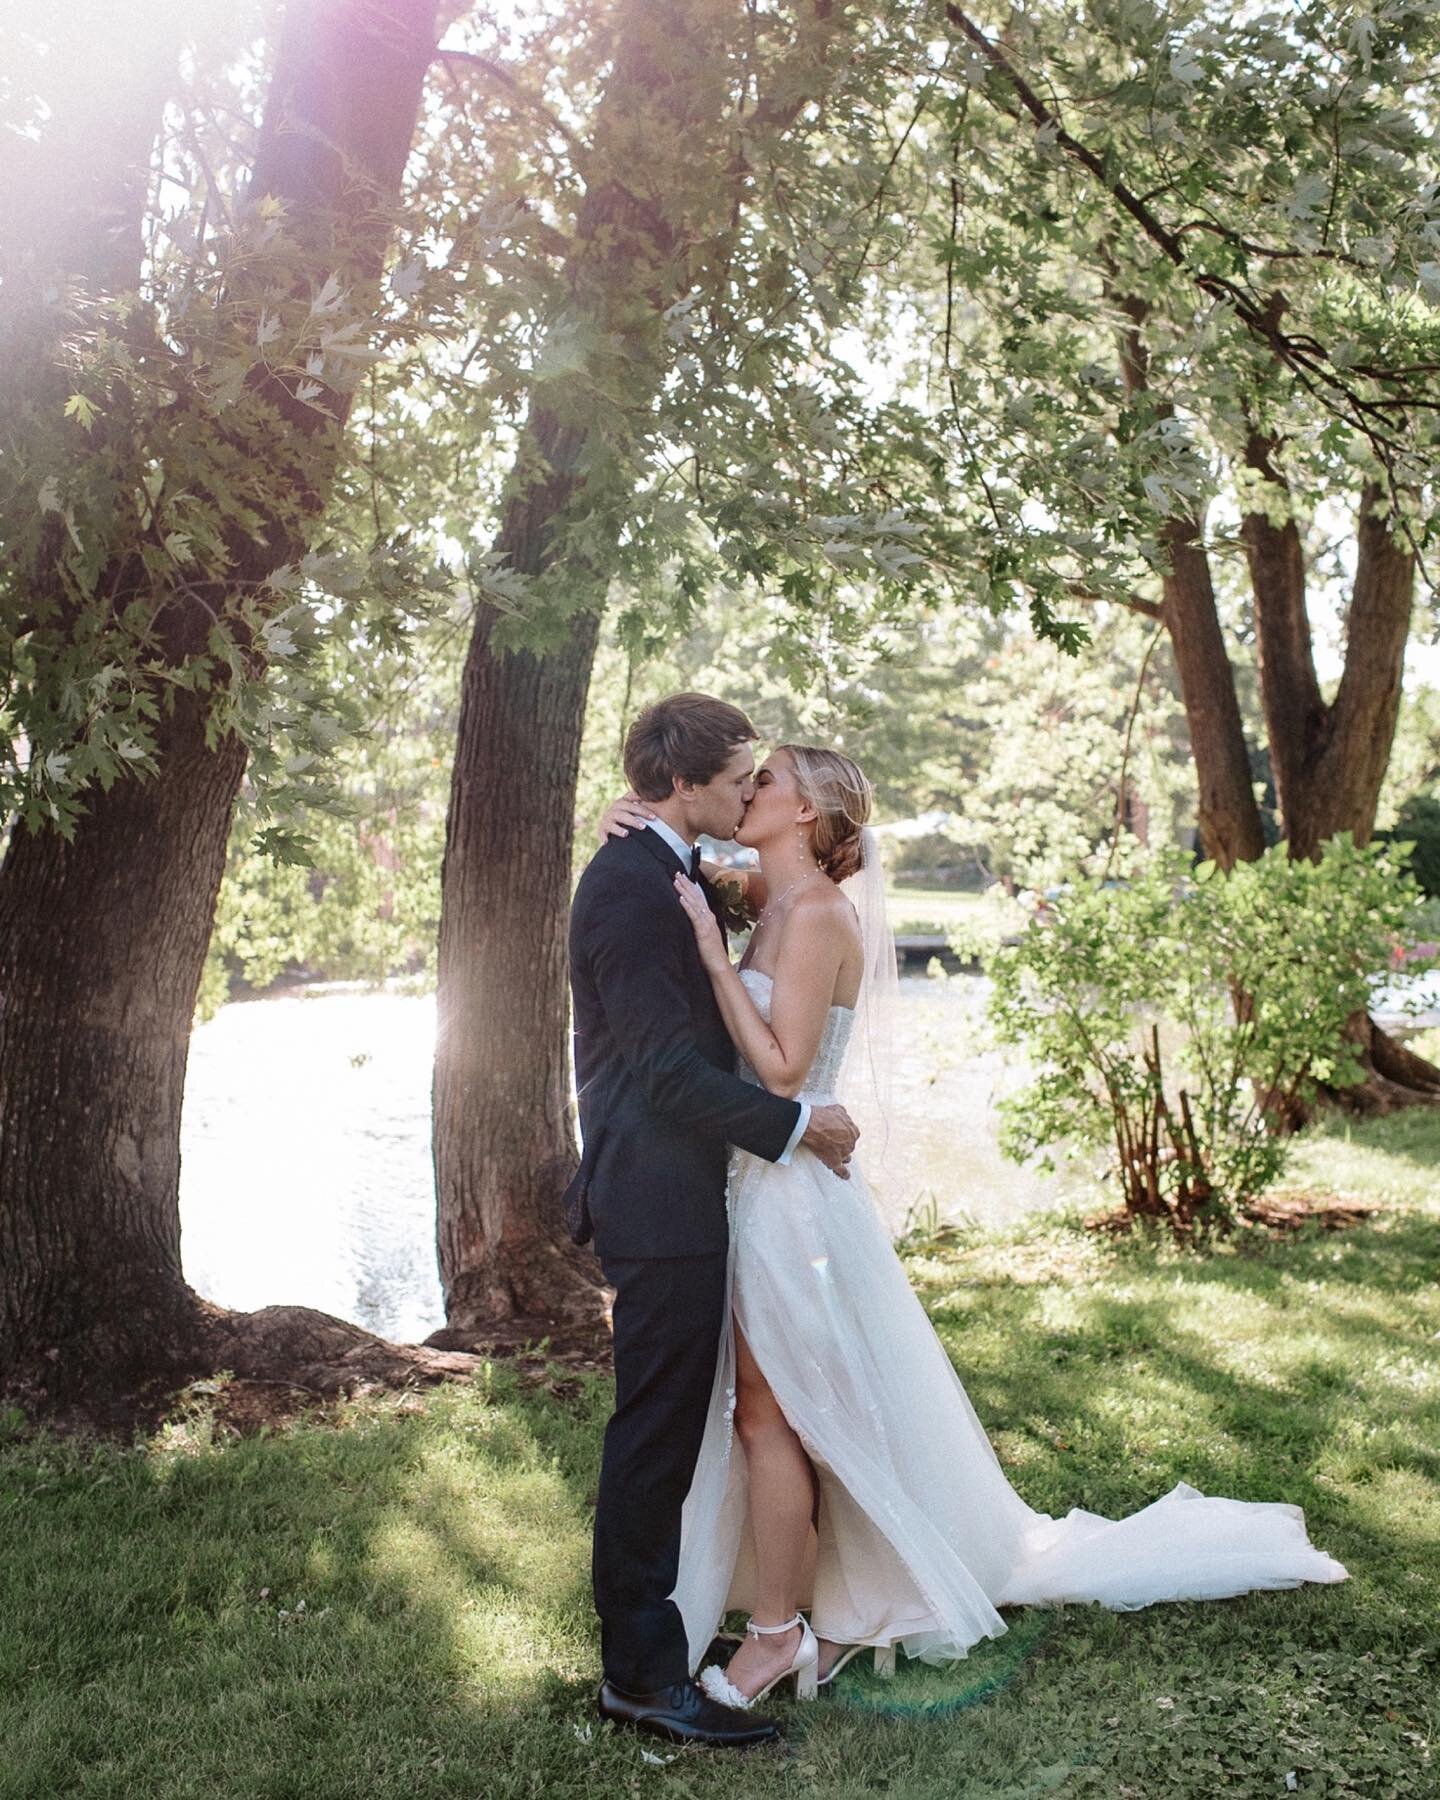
point(1410, 1136)
point(398, 1580)
point(933, 1691)
point(1125, 1397)
point(440, 1544)
point(155, 1642)
point(1398, 1252)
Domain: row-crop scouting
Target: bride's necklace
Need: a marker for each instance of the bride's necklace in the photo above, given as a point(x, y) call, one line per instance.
point(770, 905)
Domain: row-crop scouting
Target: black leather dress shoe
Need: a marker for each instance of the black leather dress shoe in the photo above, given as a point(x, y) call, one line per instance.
point(685, 1714)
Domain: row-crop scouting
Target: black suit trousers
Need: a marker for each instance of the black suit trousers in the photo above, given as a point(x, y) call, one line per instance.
point(667, 1317)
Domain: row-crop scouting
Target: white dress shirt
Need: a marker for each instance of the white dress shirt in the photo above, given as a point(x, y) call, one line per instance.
point(668, 835)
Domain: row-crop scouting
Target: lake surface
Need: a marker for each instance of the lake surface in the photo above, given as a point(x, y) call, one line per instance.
point(305, 1146)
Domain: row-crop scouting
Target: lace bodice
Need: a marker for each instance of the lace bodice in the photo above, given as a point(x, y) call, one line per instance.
point(824, 1076)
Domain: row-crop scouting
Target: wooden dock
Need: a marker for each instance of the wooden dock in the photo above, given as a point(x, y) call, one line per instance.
point(913, 947)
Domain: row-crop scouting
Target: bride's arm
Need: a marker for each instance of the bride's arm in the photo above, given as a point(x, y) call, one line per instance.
point(621, 817)
point(813, 943)
point(630, 813)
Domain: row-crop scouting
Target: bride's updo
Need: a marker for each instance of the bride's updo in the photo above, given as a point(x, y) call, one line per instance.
point(841, 795)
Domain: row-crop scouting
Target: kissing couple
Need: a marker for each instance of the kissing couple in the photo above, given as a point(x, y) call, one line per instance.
point(789, 1435)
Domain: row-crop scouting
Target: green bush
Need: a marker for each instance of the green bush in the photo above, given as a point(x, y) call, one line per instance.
point(1418, 822)
point(937, 859)
point(1244, 980)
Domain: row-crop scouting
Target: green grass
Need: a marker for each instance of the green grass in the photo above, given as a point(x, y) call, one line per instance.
point(154, 1641)
point(928, 911)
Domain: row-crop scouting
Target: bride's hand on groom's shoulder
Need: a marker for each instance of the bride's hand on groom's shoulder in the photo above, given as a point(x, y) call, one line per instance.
point(714, 952)
point(621, 817)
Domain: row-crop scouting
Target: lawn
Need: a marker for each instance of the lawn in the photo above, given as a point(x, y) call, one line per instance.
point(928, 911)
point(391, 1598)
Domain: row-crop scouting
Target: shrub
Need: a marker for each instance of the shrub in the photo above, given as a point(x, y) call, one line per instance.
point(1418, 822)
point(1244, 980)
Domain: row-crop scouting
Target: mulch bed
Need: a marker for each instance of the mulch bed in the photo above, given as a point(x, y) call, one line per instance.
point(1278, 1213)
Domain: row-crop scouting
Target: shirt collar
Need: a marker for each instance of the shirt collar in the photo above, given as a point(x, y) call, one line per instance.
point(669, 836)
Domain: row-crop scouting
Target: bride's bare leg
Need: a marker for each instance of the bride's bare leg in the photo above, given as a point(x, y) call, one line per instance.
point(782, 1499)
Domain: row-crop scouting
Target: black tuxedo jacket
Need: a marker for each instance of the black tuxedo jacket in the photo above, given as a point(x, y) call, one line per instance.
point(654, 1066)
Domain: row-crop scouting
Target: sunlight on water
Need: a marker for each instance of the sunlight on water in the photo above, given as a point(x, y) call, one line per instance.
point(305, 1158)
point(306, 1176)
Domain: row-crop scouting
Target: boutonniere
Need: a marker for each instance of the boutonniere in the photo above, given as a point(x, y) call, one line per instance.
point(736, 912)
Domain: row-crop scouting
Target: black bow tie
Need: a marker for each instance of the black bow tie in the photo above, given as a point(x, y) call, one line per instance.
point(695, 863)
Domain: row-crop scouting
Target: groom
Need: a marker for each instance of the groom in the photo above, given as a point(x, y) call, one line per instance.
point(659, 1106)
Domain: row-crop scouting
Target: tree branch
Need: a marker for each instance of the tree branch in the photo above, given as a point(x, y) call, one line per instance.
point(1295, 711)
point(502, 78)
point(1155, 637)
point(1303, 357)
point(1136, 603)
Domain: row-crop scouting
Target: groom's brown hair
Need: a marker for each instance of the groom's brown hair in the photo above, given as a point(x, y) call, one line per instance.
point(686, 737)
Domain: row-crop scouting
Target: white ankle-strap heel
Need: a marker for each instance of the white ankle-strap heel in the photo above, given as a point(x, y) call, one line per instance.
point(884, 1662)
point(803, 1667)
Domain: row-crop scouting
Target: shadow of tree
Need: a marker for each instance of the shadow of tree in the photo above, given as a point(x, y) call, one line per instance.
point(1123, 1376)
point(441, 1545)
point(247, 1601)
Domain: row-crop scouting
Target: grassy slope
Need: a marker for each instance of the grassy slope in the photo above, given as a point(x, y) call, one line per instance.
point(440, 1548)
point(928, 910)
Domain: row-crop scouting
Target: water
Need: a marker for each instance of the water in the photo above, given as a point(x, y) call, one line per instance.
point(305, 1144)
point(305, 1173)
point(1404, 1003)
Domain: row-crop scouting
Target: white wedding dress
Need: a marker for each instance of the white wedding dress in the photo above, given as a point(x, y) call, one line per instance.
point(920, 1536)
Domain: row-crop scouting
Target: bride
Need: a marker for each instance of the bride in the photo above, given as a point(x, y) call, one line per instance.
point(843, 1469)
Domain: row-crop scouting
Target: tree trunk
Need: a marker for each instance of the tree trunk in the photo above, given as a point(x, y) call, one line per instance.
point(1229, 819)
point(1290, 697)
point(504, 1145)
point(73, 196)
point(1330, 761)
point(103, 940)
point(1354, 753)
point(503, 1142)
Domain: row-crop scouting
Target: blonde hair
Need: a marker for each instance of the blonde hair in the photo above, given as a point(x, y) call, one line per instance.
point(841, 794)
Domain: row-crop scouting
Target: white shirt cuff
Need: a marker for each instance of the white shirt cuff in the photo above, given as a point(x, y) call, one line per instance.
point(802, 1125)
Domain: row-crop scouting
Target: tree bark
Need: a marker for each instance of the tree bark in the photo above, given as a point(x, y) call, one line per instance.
point(1352, 757)
point(1329, 761)
point(103, 939)
point(73, 196)
point(1228, 818)
point(102, 942)
point(1289, 688)
point(504, 1143)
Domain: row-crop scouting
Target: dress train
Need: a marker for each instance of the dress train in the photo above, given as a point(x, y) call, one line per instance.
point(920, 1537)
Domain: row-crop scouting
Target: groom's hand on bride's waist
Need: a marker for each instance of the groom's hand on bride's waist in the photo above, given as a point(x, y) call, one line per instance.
point(832, 1134)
